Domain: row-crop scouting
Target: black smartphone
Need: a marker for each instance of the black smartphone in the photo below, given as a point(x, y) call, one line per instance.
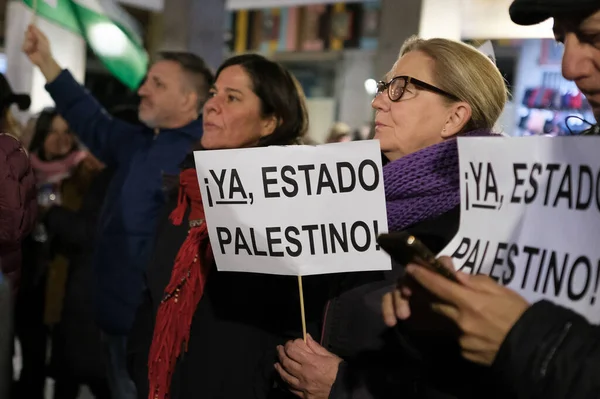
point(405, 248)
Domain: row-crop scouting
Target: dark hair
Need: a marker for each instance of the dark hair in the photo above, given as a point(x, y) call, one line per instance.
point(41, 130)
point(199, 73)
point(8, 97)
point(280, 96)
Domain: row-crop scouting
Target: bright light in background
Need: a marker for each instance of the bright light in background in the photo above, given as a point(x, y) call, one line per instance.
point(107, 39)
point(2, 63)
point(371, 86)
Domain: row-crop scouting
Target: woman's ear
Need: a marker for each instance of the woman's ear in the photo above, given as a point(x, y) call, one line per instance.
point(458, 117)
point(269, 125)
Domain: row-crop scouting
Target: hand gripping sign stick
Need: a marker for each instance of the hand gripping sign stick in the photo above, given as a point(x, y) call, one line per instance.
point(302, 314)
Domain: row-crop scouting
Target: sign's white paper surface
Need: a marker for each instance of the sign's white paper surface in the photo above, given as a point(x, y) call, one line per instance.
point(487, 49)
point(296, 210)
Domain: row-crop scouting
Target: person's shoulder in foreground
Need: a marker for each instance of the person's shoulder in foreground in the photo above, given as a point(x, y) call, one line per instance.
point(551, 353)
point(17, 203)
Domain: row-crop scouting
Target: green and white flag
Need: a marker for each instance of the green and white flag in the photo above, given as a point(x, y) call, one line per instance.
point(108, 30)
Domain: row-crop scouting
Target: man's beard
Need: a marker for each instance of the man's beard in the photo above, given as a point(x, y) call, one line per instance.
point(150, 122)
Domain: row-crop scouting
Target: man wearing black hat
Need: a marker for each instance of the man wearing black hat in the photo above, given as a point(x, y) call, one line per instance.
point(540, 350)
point(577, 26)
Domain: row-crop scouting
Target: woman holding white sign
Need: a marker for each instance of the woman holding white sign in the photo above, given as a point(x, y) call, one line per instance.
point(543, 349)
point(436, 91)
point(201, 333)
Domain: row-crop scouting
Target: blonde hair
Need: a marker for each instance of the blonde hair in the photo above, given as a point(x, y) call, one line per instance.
point(338, 131)
point(11, 125)
point(468, 74)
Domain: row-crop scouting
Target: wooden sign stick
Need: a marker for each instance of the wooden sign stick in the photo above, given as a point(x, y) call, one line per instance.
point(302, 307)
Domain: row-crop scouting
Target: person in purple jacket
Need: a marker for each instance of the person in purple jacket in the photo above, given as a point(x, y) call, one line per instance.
point(18, 205)
point(172, 97)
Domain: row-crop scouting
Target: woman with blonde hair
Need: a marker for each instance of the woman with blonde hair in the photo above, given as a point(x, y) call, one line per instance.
point(340, 132)
point(436, 91)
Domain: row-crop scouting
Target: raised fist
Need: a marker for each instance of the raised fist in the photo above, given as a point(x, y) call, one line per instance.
point(36, 46)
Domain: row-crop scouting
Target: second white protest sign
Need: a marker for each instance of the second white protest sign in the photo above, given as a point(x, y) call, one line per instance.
point(296, 210)
point(530, 217)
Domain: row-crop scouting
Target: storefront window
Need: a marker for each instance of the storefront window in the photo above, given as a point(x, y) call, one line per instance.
point(546, 103)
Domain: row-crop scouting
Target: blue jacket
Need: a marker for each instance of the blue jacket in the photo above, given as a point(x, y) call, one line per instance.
point(133, 200)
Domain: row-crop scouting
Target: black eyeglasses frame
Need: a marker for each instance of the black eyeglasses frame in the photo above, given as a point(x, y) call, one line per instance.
point(381, 86)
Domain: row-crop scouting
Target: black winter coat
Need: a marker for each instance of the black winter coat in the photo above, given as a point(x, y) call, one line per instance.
point(237, 325)
point(550, 353)
point(77, 350)
point(403, 362)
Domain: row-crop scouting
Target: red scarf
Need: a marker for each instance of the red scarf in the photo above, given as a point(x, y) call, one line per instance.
point(175, 313)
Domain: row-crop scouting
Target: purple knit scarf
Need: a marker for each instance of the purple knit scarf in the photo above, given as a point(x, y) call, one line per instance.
point(424, 184)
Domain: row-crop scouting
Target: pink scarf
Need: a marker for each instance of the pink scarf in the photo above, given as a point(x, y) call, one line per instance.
point(55, 171)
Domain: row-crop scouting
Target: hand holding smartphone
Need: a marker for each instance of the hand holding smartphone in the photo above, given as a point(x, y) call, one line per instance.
point(405, 248)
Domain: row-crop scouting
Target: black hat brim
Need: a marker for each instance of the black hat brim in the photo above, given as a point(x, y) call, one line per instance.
point(533, 12)
point(523, 13)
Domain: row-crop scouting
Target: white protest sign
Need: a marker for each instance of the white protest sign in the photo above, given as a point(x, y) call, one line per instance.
point(295, 210)
point(487, 49)
point(530, 217)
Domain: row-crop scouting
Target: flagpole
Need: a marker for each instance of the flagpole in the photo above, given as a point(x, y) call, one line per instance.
point(34, 16)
